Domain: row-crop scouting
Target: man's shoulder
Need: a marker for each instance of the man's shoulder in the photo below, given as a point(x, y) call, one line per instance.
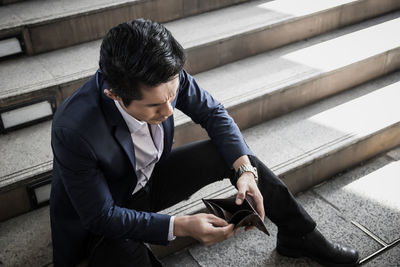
point(81, 109)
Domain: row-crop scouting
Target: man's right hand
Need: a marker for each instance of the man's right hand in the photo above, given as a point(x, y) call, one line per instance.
point(206, 228)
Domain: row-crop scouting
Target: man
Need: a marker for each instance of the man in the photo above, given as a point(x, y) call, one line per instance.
point(114, 167)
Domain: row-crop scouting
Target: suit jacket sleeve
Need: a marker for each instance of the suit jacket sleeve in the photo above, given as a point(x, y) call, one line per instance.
point(89, 193)
point(203, 109)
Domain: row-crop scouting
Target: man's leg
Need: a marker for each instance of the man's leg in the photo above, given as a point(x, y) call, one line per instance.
point(188, 169)
point(297, 233)
point(191, 167)
point(280, 205)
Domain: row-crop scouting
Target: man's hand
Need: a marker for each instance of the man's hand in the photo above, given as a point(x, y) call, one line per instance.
point(206, 228)
point(246, 185)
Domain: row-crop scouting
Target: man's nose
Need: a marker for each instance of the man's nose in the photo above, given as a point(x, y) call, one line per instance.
point(167, 110)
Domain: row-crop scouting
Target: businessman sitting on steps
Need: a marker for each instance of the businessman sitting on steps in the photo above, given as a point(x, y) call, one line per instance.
point(114, 168)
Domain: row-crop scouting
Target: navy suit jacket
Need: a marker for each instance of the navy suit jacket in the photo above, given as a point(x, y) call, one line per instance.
point(94, 165)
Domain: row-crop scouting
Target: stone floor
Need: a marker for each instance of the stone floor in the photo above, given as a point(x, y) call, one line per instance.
point(367, 195)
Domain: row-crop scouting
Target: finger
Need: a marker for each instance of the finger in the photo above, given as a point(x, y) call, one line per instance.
point(261, 211)
point(216, 221)
point(230, 231)
point(219, 234)
point(258, 199)
point(241, 194)
point(226, 232)
point(236, 230)
point(223, 230)
point(229, 228)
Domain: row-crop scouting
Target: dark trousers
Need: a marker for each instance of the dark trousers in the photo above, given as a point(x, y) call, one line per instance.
point(188, 169)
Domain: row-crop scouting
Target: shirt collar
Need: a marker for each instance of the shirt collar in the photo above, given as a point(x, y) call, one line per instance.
point(133, 124)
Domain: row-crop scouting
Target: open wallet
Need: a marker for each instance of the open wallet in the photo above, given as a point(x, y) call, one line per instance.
point(239, 215)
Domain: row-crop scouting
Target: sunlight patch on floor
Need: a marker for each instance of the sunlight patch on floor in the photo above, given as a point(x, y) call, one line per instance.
point(381, 186)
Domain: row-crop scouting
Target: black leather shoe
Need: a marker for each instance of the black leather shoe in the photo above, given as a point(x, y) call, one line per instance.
point(315, 246)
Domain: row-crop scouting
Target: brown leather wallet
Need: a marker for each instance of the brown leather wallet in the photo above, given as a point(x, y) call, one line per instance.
point(239, 215)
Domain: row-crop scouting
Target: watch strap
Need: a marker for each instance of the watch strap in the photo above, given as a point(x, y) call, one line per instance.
point(246, 168)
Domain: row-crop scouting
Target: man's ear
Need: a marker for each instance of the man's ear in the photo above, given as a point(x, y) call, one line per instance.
point(109, 93)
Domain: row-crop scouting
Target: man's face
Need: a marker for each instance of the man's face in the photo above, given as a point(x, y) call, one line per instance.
point(155, 105)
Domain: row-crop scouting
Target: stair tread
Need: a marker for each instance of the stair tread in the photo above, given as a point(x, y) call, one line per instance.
point(25, 153)
point(264, 74)
point(64, 66)
point(244, 18)
point(40, 11)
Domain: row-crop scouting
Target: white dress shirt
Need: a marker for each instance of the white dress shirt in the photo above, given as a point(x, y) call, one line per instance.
point(148, 149)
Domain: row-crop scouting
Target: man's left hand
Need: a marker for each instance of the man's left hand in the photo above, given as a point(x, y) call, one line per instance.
point(247, 185)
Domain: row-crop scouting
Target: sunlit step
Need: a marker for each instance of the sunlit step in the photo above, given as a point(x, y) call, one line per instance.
point(282, 80)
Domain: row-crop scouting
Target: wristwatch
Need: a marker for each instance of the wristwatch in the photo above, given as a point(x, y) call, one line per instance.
point(247, 168)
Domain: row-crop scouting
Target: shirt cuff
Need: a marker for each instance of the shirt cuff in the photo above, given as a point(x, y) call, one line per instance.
point(171, 229)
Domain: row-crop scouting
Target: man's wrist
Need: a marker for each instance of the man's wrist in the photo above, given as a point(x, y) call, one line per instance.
point(247, 168)
point(179, 226)
point(242, 160)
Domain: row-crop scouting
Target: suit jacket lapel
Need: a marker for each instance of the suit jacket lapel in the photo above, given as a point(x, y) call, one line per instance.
point(124, 138)
point(168, 126)
point(115, 120)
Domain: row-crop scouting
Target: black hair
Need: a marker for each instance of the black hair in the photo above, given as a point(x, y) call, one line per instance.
point(136, 53)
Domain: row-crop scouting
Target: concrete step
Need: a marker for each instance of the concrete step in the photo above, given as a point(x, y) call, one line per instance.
point(303, 148)
point(253, 90)
point(308, 146)
point(45, 25)
point(237, 32)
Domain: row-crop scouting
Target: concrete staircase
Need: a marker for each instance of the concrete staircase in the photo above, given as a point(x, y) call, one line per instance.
point(312, 84)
